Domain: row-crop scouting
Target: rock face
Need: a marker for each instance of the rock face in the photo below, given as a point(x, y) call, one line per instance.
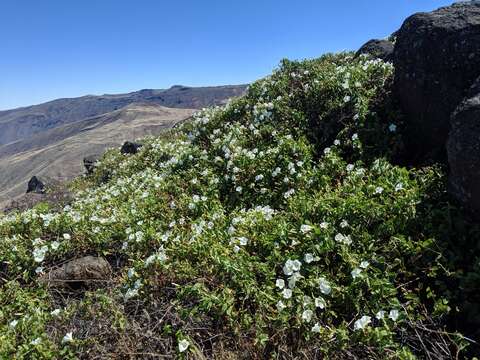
point(379, 49)
point(90, 162)
point(464, 153)
point(82, 271)
point(35, 185)
point(130, 148)
point(436, 58)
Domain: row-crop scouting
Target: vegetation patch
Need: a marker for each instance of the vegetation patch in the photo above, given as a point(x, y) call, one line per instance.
point(278, 226)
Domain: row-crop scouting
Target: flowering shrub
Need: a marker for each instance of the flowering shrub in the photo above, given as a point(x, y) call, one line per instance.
point(279, 220)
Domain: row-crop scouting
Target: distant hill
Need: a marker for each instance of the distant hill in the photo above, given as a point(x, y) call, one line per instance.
point(24, 122)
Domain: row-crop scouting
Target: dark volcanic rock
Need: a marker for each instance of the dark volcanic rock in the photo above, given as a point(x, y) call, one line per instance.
point(379, 49)
point(36, 185)
point(130, 148)
point(82, 271)
point(464, 153)
point(436, 58)
point(90, 162)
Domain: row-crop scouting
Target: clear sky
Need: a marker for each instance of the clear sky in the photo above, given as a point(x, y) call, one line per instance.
point(66, 48)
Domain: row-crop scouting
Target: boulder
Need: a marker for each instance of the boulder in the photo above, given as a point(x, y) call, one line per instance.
point(82, 271)
point(436, 58)
point(130, 148)
point(90, 162)
point(464, 153)
point(379, 49)
point(36, 185)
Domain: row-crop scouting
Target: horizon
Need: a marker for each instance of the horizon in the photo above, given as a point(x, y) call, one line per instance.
point(62, 50)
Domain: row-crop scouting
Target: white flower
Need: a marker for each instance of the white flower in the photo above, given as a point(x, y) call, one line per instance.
point(392, 128)
point(183, 345)
point(280, 305)
point(362, 322)
point(355, 137)
point(289, 193)
point(238, 189)
point(36, 341)
point(259, 177)
point(67, 236)
point(307, 315)
point(291, 266)
point(346, 98)
point(316, 328)
point(320, 303)
point(39, 253)
point(287, 293)
point(364, 264)
point(13, 323)
point(55, 245)
point(305, 228)
point(309, 258)
point(380, 315)
point(356, 272)
point(378, 190)
point(393, 314)
point(236, 248)
point(243, 241)
point(350, 167)
point(280, 283)
point(399, 187)
point(344, 224)
point(68, 337)
point(336, 142)
point(326, 151)
point(292, 280)
point(325, 287)
point(323, 225)
point(55, 312)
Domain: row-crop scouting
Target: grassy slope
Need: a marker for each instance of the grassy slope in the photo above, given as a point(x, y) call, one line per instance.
point(275, 227)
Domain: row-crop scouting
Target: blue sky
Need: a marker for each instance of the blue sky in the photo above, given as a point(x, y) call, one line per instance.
point(66, 48)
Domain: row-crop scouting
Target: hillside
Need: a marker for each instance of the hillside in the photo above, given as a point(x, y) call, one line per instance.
point(58, 153)
point(293, 223)
point(24, 122)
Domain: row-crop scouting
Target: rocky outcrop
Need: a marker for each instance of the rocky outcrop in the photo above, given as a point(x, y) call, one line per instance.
point(130, 148)
point(36, 185)
point(464, 153)
point(436, 58)
point(90, 162)
point(378, 49)
point(82, 271)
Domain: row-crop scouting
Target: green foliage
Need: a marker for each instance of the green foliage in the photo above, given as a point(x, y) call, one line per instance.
point(280, 217)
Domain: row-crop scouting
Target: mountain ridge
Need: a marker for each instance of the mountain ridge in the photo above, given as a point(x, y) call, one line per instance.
point(22, 122)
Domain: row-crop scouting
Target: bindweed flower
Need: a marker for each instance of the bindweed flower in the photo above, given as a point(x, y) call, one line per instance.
point(183, 345)
point(287, 293)
point(380, 315)
point(291, 266)
point(364, 264)
point(68, 337)
point(378, 190)
point(316, 328)
point(392, 128)
point(280, 283)
point(320, 303)
point(394, 314)
point(309, 258)
point(305, 229)
point(13, 324)
point(307, 315)
point(324, 285)
point(362, 322)
point(356, 272)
